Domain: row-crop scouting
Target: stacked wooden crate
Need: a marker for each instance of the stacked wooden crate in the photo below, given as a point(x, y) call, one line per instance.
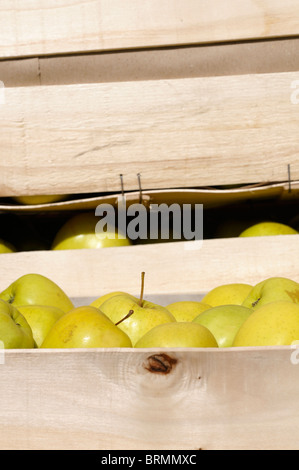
point(187, 95)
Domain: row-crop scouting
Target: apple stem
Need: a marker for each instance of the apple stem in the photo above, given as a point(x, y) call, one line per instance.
point(127, 316)
point(142, 289)
point(139, 302)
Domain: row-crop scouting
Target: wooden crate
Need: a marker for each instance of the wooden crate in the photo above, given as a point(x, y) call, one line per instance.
point(238, 398)
point(92, 92)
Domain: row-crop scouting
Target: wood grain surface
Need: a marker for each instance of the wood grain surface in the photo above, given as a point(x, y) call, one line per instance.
point(176, 133)
point(53, 27)
point(209, 399)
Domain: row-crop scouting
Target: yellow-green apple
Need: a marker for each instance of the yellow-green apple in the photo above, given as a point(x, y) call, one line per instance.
point(41, 318)
point(273, 324)
point(36, 289)
point(15, 332)
point(80, 232)
point(268, 228)
point(86, 327)
point(100, 300)
point(135, 317)
point(178, 335)
point(186, 310)
point(32, 200)
point(224, 322)
point(270, 289)
point(6, 247)
point(226, 294)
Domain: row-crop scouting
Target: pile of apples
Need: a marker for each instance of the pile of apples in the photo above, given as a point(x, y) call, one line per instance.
point(36, 313)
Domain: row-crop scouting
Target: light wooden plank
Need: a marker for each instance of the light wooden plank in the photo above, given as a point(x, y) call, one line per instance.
point(175, 133)
point(30, 28)
point(243, 398)
point(177, 268)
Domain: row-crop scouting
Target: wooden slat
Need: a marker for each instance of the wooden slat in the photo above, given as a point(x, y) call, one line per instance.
point(175, 133)
point(53, 26)
point(108, 400)
point(178, 268)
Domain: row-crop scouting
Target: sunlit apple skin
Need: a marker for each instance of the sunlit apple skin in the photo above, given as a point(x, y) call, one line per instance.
point(186, 310)
point(224, 322)
point(15, 332)
point(142, 320)
point(6, 247)
point(40, 318)
point(100, 300)
point(273, 324)
point(178, 335)
point(270, 289)
point(32, 200)
point(33, 288)
point(79, 232)
point(226, 294)
point(268, 229)
point(86, 327)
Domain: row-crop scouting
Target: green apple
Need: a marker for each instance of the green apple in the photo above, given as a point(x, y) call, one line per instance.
point(273, 288)
point(80, 232)
point(100, 300)
point(186, 310)
point(135, 317)
point(41, 318)
point(36, 289)
point(178, 335)
point(86, 327)
point(6, 247)
point(31, 200)
point(224, 322)
point(273, 324)
point(268, 228)
point(15, 332)
point(226, 294)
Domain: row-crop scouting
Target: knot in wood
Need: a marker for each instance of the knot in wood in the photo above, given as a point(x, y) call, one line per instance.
point(160, 363)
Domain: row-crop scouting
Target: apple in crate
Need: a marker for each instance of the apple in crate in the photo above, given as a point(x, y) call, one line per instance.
point(41, 318)
point(36, 289)
point(267, 229)
point(6, 247)
point(273, 288)
point(86, 327)
point(80, 232)
point(178, 335)
point(273, 324)
point(135, 317)
point(224, 321)
point(225, 294)
point(15, 332)
point(100, 300)
point(32, 200)
point(186, 310)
